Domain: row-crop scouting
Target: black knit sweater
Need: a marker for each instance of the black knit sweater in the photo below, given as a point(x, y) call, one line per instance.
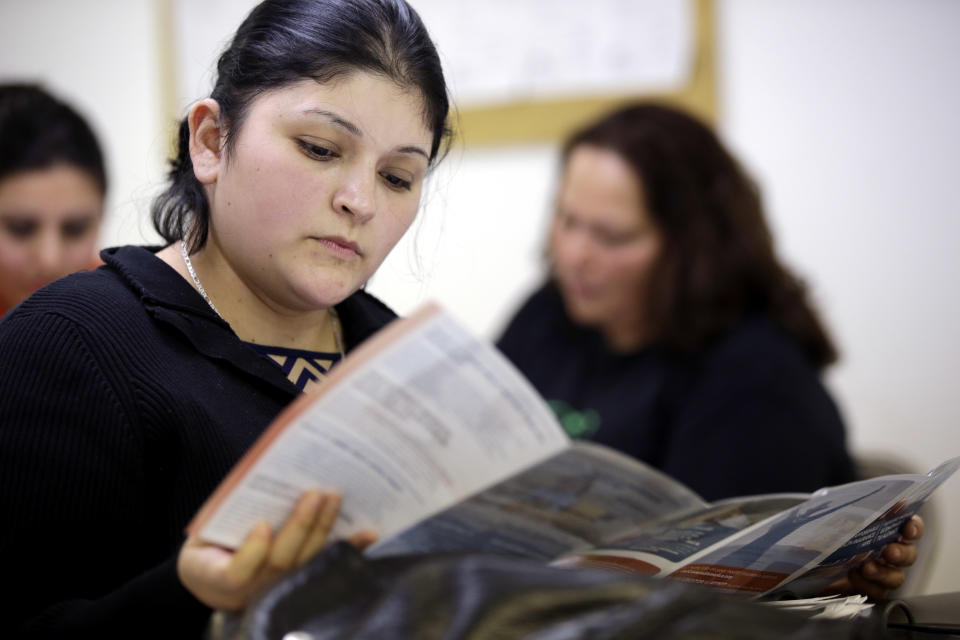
point(747, 415)
point(125, 400)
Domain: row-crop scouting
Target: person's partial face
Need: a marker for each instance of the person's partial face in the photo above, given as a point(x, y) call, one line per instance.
point(322, 182)
point(604, 243)
point(49, 220)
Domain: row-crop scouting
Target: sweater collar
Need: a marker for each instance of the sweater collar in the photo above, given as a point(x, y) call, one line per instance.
point(155, 282)
point(170, 299)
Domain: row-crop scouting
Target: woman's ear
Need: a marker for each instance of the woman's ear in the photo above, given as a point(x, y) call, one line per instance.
point(206, 140)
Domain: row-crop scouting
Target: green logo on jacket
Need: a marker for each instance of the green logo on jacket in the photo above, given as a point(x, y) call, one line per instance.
point(578, 424)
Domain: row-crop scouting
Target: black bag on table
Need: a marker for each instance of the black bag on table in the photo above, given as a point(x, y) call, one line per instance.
point(342, 594)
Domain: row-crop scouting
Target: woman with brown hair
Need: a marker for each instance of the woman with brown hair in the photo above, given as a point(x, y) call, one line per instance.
point(670, 330)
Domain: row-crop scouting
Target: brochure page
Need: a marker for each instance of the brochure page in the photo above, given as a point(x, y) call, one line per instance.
point(663, 546)
point(420, 417)
point(738, 547)
point(579, 498)
point(871, 539)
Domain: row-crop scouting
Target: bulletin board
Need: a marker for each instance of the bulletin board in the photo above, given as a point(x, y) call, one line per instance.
point(191, 34)
point(550, 120)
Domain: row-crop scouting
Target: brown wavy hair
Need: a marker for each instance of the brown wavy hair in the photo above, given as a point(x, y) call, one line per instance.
point(718, 262)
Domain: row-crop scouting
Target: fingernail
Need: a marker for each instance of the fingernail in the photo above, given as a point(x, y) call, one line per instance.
point(331, 503)
point(262, 529)
point(312, 501)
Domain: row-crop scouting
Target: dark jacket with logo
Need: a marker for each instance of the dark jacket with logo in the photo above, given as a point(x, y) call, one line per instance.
point(747, 415)
point(125, 400)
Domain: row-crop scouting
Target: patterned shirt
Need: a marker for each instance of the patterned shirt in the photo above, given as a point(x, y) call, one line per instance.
point(303, 368)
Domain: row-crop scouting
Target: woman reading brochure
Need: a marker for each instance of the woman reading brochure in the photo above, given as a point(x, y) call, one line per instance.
point(130, 391)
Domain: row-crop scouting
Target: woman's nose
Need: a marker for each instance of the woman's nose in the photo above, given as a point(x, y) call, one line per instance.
point(356, 195)
point(573, 247)
point(48, 253)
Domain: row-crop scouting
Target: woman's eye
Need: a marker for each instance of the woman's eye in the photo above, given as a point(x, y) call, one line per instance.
point(316, 151)
point(612, 238)
point(396, 182)
point(74, 228)
point(20, 228)
point(566, 222)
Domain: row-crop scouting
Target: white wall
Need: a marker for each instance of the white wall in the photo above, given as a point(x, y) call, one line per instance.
point(845, 111)
point(476, 246)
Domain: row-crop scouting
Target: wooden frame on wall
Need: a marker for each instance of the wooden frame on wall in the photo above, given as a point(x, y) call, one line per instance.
point(166, 34)
point(551, 120)
point(534, 121)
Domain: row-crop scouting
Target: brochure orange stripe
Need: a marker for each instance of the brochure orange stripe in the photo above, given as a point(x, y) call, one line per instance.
point(715, 575)
point(362, 354)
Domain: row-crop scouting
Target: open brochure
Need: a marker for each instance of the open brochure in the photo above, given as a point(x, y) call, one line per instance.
point(436, 442)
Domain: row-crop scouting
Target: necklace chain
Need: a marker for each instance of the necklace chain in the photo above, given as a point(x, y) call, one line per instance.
point(196, 280)
point(336, 331)
point(334, 318)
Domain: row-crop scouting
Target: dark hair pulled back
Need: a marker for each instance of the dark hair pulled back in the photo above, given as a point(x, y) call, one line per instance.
point(718, 261)
point(38, 131)
point(284, 41)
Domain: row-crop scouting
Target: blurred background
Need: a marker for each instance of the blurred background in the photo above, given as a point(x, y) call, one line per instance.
point(844, 112)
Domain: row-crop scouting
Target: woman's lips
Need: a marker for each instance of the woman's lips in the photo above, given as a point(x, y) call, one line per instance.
point(340, 246)
point(579, 289)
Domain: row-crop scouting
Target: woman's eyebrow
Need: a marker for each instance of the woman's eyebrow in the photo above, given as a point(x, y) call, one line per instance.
point(416, 150)
point(16, 215)
point(336, 119)
point(355, 130)
point(79, 216)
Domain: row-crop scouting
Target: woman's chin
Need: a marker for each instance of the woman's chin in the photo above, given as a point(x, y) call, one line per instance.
point(585, 314)
point(327, 296)
point(329, 286)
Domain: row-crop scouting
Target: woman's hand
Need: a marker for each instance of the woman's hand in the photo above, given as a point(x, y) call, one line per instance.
point(224, 579)
point(877, 576)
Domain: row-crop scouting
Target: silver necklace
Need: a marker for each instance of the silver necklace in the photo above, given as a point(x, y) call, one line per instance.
point(193, 274)
point(196, 280)
point(336, 331)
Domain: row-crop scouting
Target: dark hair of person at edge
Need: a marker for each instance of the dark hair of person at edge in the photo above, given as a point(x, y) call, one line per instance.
point(52, 189)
